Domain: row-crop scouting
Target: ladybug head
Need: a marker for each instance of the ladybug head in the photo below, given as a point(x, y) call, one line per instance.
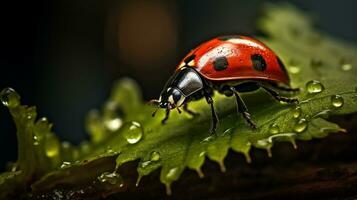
point(178, 89)
point(171, 98)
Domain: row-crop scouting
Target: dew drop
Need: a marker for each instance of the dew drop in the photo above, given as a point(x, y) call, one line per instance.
point(337, 101)
point(132, 132)
point(294, 69)
point(145, 164)
point(297, 112)
point(155, 156)
point(301, 125)
point(31, 113)
point(314, 87)
point(113, 124)
point(112, 116)
point(52, 146)
point(112, 178)
point(109, 150)
point(9, 97)
point(35, 140)
point(43, 123)
point(65, 165)
point(346, 67)
point(274, 128)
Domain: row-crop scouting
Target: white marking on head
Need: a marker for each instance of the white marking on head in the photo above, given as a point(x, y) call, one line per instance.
point(171, 99)
point(191, 63)
point(180, 101)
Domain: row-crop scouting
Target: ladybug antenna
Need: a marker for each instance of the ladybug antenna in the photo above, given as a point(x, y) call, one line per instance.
point(154, 113)
point(154, 102)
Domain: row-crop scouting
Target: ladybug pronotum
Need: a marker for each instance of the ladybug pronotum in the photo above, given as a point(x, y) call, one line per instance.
point(229, 65)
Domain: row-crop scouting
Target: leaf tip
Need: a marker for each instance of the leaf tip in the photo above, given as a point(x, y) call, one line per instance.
point(138, 180)
point(200, 173)
point(222, 166)
point(168, 189)
point(269, 152)
point(248, 159)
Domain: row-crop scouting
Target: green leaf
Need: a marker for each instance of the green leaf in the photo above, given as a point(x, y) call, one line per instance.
point(124, 130)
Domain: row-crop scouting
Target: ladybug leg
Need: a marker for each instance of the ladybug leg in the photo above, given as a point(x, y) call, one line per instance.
point(192, 113)
point(213, 113)
point(286, 89)
point(242, 108)
point(163, 121)
point(277, 96)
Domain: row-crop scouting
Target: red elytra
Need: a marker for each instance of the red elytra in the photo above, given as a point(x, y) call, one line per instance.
point(238, 51)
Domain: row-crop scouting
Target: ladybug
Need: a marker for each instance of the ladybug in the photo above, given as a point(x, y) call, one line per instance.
point(230, 65)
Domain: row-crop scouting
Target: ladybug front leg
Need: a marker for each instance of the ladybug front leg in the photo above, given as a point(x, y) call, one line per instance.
point(242, 108)
point(213, 113)
point(163, 121)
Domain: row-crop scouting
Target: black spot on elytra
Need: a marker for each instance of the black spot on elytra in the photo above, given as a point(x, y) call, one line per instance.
point(228, 37)
point(281, 65)
point(221, 63)
point(258, 61)
point(190, 58)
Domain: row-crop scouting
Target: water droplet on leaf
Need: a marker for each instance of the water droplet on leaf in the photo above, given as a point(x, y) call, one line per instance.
point(294, 69)
point(274, 128)
point(65, 165)
point(113, 124)
point(109, 150)
point(9, 97)
point(296, 112)
point(31, 113)
point(314, 87)
point(337, 101)
point(35, 140)
point(132, 132)
point(155, 156)
point(112, 178)
point(301, 125)
point(346, 67)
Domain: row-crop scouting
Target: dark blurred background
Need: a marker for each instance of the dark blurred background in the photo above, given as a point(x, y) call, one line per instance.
point(63, 55)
